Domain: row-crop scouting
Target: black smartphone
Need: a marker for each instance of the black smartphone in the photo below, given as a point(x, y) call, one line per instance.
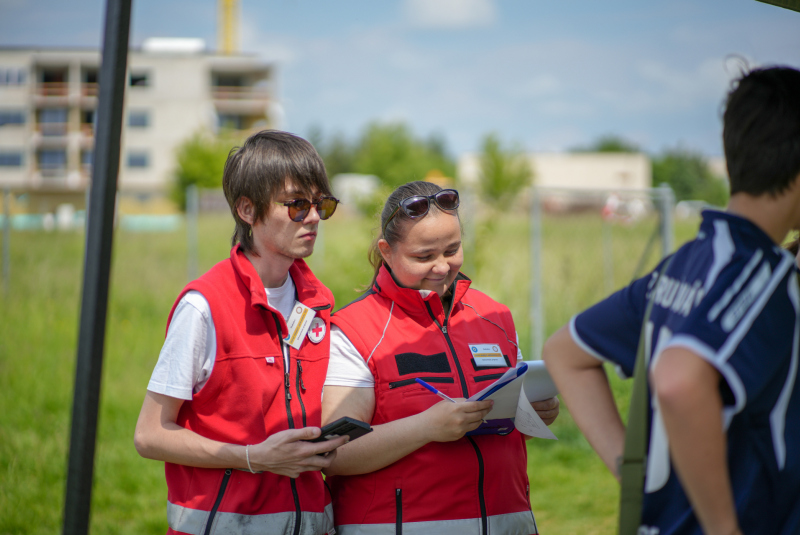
point(343, 426)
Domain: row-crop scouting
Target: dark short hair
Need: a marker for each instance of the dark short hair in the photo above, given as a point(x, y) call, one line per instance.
point(392, 232)
point(761, 131)
point(259, 169)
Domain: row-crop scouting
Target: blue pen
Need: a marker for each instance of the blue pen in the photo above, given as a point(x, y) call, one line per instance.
point(429, 387)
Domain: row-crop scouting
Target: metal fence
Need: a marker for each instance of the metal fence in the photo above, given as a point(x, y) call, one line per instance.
point(629, 204)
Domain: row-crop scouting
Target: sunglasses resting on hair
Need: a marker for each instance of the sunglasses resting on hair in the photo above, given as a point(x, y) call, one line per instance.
point(418, 205)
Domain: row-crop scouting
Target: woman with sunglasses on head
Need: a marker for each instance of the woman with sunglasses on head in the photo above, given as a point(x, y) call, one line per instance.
point(417, 472)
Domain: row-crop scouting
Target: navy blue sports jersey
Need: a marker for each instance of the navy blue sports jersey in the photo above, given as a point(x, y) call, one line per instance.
point(731, 297)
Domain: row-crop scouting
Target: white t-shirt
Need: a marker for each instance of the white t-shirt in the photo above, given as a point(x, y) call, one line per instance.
point(347, 367)
point(187, 356)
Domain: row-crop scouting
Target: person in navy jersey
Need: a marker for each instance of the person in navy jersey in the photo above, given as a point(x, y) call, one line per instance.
point(722, 342)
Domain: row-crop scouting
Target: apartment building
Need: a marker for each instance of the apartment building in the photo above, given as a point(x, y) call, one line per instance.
point(48, 113)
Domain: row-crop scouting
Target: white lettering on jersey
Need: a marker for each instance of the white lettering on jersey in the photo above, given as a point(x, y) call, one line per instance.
point(679, 297)
point(723, 248)
point(734, 288)
point(658, 466)
point(748, 296)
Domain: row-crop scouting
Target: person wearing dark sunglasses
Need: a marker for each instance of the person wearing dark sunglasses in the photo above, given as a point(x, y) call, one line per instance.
point(418, 471)
point(236, 391)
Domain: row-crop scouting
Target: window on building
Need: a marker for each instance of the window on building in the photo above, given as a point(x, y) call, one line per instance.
point(90, 76)
point(52, 162)
point(230, 121)
point(88, 118)
point(52, 121)
point(140, 79)
point(89, 82)
point(10, 159)
point(87, 158)
point(54, 76)
point(229, 80)
point(138, 118)
point(138, 159)
point(12, 76)
point(53, 82)
point(12, 117)
point(53, 115)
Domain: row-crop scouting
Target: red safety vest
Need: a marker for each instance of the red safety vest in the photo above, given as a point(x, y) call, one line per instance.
point(474, 485)
point(248, 397)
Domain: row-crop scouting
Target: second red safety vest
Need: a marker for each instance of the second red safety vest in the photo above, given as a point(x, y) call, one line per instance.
point(475, 485)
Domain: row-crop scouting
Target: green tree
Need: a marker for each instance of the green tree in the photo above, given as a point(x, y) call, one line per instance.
point(689, 176)
point(337, 152)
point(504, 171)
point(609, 143)
point(392, 153)
point(200, 162)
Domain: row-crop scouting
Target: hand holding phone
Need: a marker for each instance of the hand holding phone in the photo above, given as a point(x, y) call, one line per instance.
point(343, 426)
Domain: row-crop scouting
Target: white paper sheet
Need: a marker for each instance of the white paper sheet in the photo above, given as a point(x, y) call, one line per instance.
point(511, 401)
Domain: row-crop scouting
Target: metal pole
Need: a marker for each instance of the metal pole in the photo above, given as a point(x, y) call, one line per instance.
point(192, 212)
point(468, 214)
point(97, 267)
point(608, 256)
point(536, 312)
point(666, 208)
point(6, 238)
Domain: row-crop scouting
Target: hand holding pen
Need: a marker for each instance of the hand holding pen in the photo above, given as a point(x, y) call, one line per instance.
point(450, 421)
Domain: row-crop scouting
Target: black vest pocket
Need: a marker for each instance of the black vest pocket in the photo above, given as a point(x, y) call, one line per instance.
point(408, 363)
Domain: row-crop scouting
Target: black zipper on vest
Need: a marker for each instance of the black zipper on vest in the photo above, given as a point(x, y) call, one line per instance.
point(481, 498)
point(298, 386)
point(443, 328)
point(297, 516)
point(406, 382)
point(398, 504)
point(220, 494)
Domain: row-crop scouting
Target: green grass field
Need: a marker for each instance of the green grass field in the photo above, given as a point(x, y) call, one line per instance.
point(571, 491)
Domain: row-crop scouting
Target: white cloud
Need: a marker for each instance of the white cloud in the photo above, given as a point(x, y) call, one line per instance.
point(450, 13)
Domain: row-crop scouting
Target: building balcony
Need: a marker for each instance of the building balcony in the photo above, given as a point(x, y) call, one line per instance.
point(89, 89)
point(87, 135)
point(220, 92)
point(240, 99)
point(52, 89)
point(52, 129)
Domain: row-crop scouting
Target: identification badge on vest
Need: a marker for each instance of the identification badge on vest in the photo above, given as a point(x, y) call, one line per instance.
point(487, 355)
point(298, 323)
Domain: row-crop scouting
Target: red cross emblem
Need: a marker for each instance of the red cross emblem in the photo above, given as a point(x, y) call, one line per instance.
point(316, 331)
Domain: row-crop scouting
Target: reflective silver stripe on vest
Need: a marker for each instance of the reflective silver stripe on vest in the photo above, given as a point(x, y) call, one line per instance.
point(521, 523)
point(194, 521)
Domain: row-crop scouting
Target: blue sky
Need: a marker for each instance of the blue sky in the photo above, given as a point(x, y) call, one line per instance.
point(549, 75)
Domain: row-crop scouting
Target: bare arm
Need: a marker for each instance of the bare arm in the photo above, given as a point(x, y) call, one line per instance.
point(389, 442)
point(583, 384)
point(687, 388)
point(158, 437)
